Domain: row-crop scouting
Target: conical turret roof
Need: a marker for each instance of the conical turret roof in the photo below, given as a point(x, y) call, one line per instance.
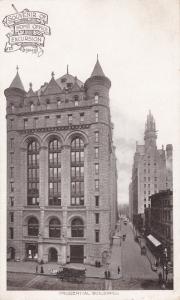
point(97, 71)
point(17, 83)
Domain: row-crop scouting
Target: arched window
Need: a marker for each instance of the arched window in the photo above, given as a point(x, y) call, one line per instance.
point(33, 226)
point(96, 98)
point(77, 228)
point(54, 172)
point(54, 228)
point(32, 107)
point(33, 173)
point(77, 171)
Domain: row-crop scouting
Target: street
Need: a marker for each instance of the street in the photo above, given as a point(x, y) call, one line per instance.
point(134, 265)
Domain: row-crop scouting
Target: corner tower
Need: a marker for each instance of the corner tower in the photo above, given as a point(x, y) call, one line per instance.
point(98, 84)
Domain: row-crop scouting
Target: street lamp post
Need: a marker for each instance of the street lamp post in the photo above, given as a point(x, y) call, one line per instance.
point(165, 267)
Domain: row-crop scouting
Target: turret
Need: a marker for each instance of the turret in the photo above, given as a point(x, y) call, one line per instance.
point(169, 150)
point(98, 85)
point(15, 94)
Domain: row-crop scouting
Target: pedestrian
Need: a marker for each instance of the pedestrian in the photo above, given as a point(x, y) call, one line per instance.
point(42, 270)
point(118, 270)
point(105, 273)
point(36, 268)
point(108, 274)
point(160, 277)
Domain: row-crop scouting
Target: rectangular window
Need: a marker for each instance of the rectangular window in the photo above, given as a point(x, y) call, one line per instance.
point(11, 231)
point(149, 178)
point(144, 178)
point(145, 185)
point(97, 200)
point(12, 217)
point(96, 152)
point(58, 120)
point(11, 172)
point(96, 184)
point(11, 187)
point(46, 120)
point(97, 218)
point(11, 143)
point(70, 119)
point(12, 201)
point(96, 116)
point(25, 123)
point(155, 178)
point(96, 136)
point(81, 117)
point(97, 236)
point(96, 168)
point(11, 123)
point(35, 122)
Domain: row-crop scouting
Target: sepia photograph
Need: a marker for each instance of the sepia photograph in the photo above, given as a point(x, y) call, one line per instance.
point(90, 116)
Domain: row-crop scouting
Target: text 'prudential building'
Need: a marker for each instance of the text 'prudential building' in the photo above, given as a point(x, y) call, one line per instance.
point(62, 179)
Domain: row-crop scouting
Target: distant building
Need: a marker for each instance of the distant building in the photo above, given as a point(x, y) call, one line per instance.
point(151, 171)
point(61, 170)
point(159, 222)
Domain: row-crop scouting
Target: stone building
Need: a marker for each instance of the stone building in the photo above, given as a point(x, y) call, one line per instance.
point(151, 171)
point(159, 222)
point(61, 170)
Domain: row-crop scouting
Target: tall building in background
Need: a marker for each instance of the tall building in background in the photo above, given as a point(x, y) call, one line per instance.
point(61, 170)
point(151, 171)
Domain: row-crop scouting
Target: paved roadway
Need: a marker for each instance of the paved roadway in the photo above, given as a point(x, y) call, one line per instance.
point(134, 265)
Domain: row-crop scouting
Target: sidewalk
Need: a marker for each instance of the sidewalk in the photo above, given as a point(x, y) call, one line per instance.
point(91, 271)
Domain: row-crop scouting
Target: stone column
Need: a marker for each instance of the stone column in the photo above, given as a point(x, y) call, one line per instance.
point(43, 176)
point(65, 194)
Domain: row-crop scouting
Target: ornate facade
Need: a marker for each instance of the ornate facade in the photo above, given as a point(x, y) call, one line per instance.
point(61, 174)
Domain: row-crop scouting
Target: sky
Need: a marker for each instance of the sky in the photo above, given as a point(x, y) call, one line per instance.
point(137, 44)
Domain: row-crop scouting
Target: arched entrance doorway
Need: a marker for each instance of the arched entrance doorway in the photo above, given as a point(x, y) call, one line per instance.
point(12, 253)
point(53, 255)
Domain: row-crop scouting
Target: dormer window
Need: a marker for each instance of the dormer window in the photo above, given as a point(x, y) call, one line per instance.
point(63, 80)
point(96, 98)
point(69, 85)
point(32, 107)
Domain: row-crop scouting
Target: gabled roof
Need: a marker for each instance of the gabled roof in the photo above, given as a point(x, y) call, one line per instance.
point(75, 87)
point(52, 87)
point(66, 79)
point(97, 71)
point(30, 93)
point(17, 83)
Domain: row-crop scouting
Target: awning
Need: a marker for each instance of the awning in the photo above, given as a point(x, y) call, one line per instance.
point(153, 240)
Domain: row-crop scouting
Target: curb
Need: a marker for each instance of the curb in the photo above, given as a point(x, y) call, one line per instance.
point(50, 275)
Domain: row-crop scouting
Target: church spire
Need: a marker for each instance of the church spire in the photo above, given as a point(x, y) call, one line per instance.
point(97, 71)
point(17, 83)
